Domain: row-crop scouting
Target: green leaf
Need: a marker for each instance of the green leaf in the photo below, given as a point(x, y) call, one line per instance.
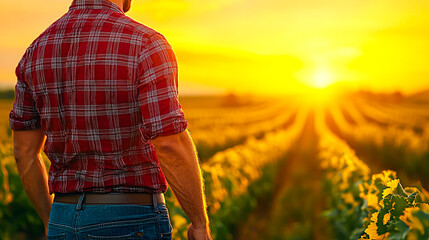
point(400, 203)
point(357, 233)
point(381, 228)
point(412, 197)
point(401, 191)
point(400, 226)
point(424, 219)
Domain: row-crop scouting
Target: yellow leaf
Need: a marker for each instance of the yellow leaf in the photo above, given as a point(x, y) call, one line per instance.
point(410, 220)
point(372, 228)
point(386, 218)
point(391, 187)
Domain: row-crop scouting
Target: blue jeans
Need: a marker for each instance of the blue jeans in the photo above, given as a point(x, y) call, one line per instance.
point(92, 222)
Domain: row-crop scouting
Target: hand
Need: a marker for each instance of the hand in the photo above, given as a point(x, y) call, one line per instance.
point(199, 233)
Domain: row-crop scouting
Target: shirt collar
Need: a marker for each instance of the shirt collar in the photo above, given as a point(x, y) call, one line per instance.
point(95, 4)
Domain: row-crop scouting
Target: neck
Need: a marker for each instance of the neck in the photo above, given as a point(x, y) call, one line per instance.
point(120, 3)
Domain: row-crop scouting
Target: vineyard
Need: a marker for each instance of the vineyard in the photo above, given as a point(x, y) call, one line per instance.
point(276, 168)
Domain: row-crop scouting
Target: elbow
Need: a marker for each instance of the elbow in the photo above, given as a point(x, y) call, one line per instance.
point(27, 144)
point(18, 153)
point(167, 147)
point(22, 154)
point(171, 145)
point(26, 162)
point(168, 154)
point(19, 157)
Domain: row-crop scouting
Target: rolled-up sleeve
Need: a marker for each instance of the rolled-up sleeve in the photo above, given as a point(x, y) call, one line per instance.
point(161, 111)
point(24, 115)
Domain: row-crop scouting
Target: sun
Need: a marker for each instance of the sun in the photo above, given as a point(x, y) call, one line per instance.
point(322, 78)
point(317, 78)
point(319, 90)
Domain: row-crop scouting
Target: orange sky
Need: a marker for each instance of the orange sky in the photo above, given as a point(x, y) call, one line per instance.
point(270, 46)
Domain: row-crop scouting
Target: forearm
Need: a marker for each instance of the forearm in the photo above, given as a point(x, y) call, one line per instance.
point(181, 168)
point(35, 182)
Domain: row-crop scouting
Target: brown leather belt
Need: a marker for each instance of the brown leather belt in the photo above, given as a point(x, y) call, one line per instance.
point(111, 198)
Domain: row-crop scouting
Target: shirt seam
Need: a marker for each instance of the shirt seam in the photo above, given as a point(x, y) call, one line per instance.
point(144, 50)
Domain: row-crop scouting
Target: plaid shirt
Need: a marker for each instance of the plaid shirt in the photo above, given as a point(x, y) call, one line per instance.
point(101, 86)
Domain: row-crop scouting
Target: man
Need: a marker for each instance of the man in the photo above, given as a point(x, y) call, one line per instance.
point(101, 90)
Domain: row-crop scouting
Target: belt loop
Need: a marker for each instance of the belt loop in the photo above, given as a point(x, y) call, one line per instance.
point(155, 202)
point(81, 203)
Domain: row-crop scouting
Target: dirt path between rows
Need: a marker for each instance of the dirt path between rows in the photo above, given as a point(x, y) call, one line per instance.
point(294, 209)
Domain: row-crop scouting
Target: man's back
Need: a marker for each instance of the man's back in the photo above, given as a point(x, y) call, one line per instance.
point(103, 89)
point(103, 85)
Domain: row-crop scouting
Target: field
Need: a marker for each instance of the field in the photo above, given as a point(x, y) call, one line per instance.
point(282, 168)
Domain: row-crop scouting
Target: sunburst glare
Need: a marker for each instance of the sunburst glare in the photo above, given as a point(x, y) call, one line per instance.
point(322, 79)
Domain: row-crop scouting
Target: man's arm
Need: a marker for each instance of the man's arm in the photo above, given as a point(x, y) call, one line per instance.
point(179, 162)
point(27, 147)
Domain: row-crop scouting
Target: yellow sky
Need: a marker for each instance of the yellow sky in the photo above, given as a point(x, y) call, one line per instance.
point(269, 46)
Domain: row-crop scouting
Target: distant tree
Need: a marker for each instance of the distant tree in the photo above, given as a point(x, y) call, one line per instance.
point(7, 94)
point(231, 100)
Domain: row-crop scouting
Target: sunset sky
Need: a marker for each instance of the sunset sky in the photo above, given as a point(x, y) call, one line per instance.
point(263, 46)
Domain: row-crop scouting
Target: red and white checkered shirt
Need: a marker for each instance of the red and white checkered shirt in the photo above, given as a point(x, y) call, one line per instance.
point(101, 86)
